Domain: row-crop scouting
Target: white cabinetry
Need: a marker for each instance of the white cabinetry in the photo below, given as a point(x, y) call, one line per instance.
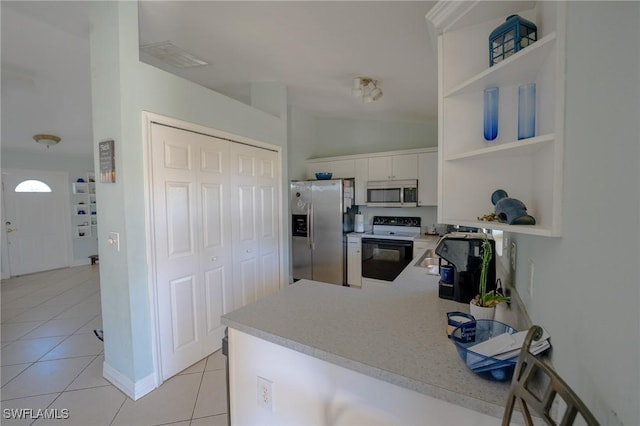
point(84, 208)
point(428, 179)
point(393, 167)
point(470, 168)
point(362, 177)
point(419, 247)
point(354, 260)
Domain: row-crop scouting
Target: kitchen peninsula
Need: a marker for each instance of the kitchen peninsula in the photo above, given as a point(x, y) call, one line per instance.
point(339, 355)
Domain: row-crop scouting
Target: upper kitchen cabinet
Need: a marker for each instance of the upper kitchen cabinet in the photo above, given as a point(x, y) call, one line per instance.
point(394, 167)
point(470, 168)
point(420, 163)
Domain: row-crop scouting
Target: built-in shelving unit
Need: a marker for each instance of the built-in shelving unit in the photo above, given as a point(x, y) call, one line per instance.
point(84, 207)
point(470, 168)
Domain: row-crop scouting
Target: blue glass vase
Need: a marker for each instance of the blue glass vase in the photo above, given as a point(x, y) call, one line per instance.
point(491, 96)
point(527, 111)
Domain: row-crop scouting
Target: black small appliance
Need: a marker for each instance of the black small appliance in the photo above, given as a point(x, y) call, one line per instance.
point(461, 264)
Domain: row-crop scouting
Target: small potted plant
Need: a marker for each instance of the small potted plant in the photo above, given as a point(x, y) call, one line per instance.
point(484, 304)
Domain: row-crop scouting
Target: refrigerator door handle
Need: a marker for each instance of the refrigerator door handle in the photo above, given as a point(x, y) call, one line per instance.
point(310, 233)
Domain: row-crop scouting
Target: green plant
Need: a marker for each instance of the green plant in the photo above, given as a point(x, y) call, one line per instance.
point(487, 299)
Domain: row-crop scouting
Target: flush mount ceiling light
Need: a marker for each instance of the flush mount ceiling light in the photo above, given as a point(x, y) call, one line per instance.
point(47, 140)
point(173, 55)
point(366, 88)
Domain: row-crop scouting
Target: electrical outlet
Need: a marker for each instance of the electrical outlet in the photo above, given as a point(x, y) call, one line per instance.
point(265, 393)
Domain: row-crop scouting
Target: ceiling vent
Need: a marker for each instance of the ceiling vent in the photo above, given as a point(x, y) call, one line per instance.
point(173, 55)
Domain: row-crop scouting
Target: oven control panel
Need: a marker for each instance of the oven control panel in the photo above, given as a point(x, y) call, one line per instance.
point(396, 221)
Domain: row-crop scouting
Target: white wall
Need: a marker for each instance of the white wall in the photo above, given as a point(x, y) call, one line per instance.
point(344, 136)
point(586, 287)
point(302, 132)
point(308, 391)
point(122, 88)
point(312, 136)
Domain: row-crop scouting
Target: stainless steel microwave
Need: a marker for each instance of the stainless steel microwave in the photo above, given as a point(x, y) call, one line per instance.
point(392, 193)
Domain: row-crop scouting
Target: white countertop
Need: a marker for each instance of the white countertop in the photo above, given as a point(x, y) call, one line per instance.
point(396, 334)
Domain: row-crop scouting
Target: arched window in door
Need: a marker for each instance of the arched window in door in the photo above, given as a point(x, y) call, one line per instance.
point(32, 185)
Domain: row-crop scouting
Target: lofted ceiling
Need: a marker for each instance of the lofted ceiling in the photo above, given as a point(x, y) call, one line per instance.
point(315, 48)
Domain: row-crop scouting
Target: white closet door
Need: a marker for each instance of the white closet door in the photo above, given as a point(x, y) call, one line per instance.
point(216, 260)
point(254, 225)
point(268, 244)
point(192, 240)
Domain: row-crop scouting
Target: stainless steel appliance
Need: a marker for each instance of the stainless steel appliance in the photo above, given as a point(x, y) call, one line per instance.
point(388, 248)
point(460, 265)
point(322, 214)
point(392, 193)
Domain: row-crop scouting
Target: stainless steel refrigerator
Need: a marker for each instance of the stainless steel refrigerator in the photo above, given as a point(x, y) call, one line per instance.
point(322, 214)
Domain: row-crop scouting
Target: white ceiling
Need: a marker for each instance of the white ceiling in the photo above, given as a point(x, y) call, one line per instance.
point(314, 48)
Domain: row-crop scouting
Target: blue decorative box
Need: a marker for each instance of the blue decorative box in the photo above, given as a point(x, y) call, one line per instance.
point(515, 34)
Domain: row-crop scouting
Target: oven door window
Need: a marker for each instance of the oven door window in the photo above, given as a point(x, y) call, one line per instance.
point(385, 259)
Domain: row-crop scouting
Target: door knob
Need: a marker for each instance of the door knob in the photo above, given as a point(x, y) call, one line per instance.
point(214, 258)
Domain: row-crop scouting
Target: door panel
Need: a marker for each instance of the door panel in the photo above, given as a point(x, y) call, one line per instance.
point(213, 160)
point(267, 212)
point(215, 298)
point(248, 280)
point(177, 156)
point(269, 274)
point(246, 165)
point(247, 211)
point(179, 219)
point(212, 215)
point(184, 312)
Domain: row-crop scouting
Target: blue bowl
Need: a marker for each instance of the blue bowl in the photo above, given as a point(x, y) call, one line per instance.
point(323, 176)
point(474, 332)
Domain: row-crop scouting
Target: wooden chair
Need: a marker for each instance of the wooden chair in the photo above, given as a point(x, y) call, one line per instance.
point(536, 386)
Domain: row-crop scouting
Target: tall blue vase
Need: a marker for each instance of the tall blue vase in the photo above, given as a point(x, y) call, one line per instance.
point(491, 96)
point(527, 111)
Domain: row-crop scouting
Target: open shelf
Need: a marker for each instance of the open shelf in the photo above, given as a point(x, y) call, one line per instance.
point(470, 168)
point(520, 147)
point(522, 66)
point(521, 229)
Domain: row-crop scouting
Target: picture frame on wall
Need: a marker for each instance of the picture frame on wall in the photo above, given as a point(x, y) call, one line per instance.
point(107, 161)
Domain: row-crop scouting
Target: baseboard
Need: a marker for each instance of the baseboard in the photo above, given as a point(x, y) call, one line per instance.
point(80, 262)
point(134, 390)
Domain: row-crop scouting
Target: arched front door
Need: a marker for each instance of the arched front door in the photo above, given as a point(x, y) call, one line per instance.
point(36, 222)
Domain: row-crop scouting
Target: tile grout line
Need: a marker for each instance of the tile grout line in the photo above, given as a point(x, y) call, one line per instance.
point(195, 403)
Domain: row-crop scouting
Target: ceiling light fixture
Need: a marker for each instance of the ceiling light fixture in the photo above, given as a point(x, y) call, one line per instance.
point(366, 88)
point(47, 140)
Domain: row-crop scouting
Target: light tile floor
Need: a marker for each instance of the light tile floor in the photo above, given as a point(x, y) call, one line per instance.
point(50, 359)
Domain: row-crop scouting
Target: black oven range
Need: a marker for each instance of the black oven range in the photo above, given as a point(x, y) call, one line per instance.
point(388, 248)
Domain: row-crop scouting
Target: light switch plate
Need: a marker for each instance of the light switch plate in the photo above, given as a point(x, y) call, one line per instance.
point(114, 240)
